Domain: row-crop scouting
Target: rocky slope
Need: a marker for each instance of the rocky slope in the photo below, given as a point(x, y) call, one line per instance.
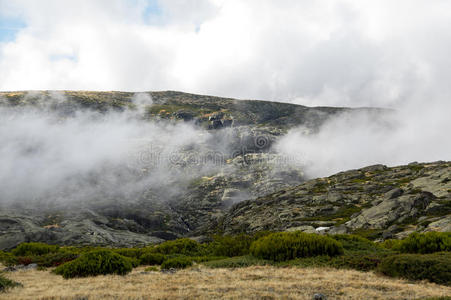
point(377, 201)
point(201, 196)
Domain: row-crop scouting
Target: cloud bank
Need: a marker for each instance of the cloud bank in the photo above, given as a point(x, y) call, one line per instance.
point(341, 53)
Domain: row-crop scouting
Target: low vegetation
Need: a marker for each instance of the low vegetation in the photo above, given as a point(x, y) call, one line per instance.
point(418, 257)
point(177, 263)
point(429, 242)
point(6, 283)
point(99, 262)
point(283, 246)
point(433, 267)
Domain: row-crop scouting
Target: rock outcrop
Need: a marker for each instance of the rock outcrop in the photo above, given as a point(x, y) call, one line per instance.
point(377, 201)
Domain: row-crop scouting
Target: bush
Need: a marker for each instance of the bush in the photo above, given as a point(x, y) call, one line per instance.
point(150, 258)
point(130, 252)
point(6, 283)
point(354, 242)
point(8, 259)
point(176, 263)
point(233, 245)
point(390, 244)
point(30, 249)
point(284, 246)
point(99, 262)
point(433, 267)
point(429, 242)
point(180, 246)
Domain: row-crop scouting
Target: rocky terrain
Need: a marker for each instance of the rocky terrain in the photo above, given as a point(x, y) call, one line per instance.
point(376, 201)
point(245, 188)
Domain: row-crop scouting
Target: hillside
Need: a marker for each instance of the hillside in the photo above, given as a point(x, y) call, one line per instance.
point(226, 178)
point(375, 201)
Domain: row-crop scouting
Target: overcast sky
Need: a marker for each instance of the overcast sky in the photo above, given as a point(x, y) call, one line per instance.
point(343, 53)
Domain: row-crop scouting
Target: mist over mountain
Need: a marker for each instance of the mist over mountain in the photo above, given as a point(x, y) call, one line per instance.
point(134, 168)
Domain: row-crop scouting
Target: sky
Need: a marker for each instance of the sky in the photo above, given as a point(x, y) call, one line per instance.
point(354, 53)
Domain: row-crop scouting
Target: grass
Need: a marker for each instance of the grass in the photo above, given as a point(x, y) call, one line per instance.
point(205, 283)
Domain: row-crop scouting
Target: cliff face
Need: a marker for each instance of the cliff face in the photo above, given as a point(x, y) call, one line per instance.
point(244, 188)
point(377, 201)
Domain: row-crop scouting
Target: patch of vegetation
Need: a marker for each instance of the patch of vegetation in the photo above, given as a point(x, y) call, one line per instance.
point(284, 246)
point(180, 246)
point(177, 263)
point(429, 242)
point(415, 168)
point(8, 259)
point(320, 187)
point(130, 252)
point(150, 258)
point(370, 234)
point(6, 283)
point(29, 249)
point(390, 244)
point(151, 269)
point(99, 262)
point(233, 245)
point(362, 261)
point(354, 242)
point(237, 262)
point(433, 267)
point(341, 216)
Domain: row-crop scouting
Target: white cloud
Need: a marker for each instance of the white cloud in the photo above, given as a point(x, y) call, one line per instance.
point(345, 53)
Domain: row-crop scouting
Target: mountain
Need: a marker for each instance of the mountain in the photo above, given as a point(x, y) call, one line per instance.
point(227, 177)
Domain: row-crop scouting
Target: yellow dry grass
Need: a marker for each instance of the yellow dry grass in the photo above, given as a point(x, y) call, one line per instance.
point(204, 283)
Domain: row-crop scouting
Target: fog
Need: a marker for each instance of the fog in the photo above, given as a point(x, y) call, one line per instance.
point(415, 131)
point(48, 157)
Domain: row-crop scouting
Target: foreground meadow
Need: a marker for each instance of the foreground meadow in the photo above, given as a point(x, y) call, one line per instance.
point(256, 282)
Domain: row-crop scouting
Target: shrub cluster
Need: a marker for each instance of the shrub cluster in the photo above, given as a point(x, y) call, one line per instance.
point(180, 246)
point(354, 242)
point(429, 242)
point(99, 262)
point(177, 263)
point(284, 246)
point(151, 258)
point(433, 267)
point(30, 249)
point(233, 245)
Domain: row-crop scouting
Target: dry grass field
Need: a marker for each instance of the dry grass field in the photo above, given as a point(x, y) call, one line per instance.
point(205, 283)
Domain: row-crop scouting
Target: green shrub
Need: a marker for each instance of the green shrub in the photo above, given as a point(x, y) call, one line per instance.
point(30, 249)
point(236, 262)
point(177, 263)
point(205, 258)
point(150, 258)
point(233, 245)
point(354, 242)
point(390, 244)
point(54, 259)
point(180, 246)
point(356, 261)
point(6, 283)
point(8, 259)
point(284, 246)
point(99, 262)
point(429, 242)
point(151, 269)
point(130, 252)
point(433, 267)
